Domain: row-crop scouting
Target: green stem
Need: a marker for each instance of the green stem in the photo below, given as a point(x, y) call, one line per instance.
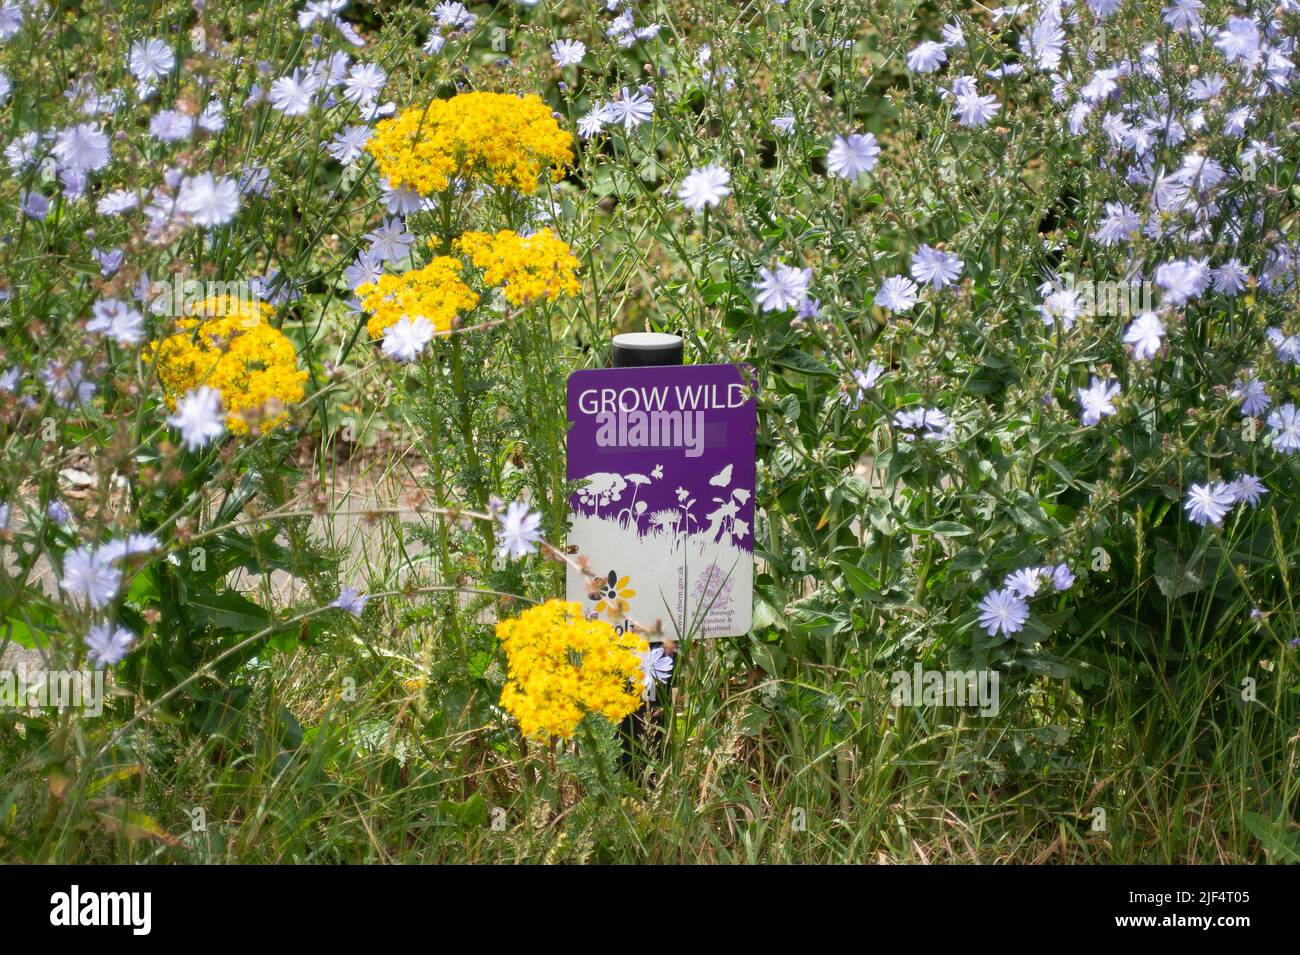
point(440, 486)
point(465, 418)
point(590, 737)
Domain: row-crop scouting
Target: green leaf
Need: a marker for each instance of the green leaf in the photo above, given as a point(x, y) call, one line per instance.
point(32, 633)
point(943, 529)
point(864, 586)
point(803, 362)
point(234, 502)
point(968, 558)
point(230, 611)
point(258, 555)
point(117, 817)
point(285, 640)
point(817, 622)
point(715, 292)
point(144, 588)
point(768, 656)
point(755, 718)
point(1061, 471)
point(1174, 577)
point(471, 813)
point(1046, 665)
point(223, 713)
point(767, 611)
point(1278, 843)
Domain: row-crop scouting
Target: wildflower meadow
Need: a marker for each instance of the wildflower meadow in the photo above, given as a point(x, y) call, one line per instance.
point(300, 306)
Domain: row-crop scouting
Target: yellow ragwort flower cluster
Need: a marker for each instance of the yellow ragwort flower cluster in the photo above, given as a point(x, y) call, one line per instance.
point(226, 344)
point(563, 666)
point(528, 267)
point(497, 138)
point(434, 291)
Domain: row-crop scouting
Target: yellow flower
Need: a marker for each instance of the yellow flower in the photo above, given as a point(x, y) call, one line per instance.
point(562, 666)
point(498, 138)
point(529, 267)
point(434, 291)
point(226, 344)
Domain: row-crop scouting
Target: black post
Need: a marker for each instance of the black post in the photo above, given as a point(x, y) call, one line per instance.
point(642, 350)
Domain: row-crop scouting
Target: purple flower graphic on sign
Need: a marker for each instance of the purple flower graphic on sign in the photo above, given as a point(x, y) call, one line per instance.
point(713, 590)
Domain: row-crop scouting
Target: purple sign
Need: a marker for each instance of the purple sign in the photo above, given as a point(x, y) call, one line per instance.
point(665, 512)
